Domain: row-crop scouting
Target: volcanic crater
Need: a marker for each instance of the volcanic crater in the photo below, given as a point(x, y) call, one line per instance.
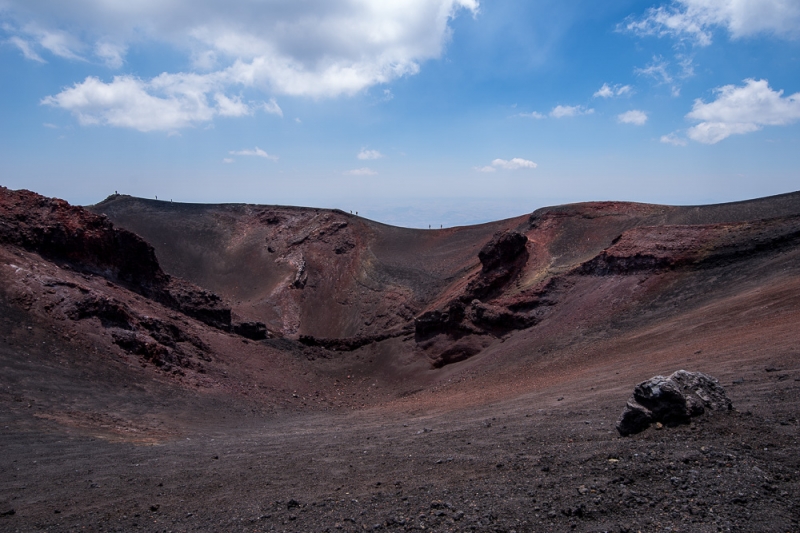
point(234, 367)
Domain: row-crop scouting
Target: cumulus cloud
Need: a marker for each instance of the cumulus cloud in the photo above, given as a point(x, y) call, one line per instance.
point(364, 171)
point(257, 152)
point(314, 48)
point(365, 154)
point(512, 164)
point(128, 102)
point(695, 20)
point(165, 103)
point(534, 114)
point(561, 111)
point(634, 116)
point(673, 139)
point(739, 110)
point(608, 91)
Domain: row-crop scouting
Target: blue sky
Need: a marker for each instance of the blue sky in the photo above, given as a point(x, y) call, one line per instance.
point(411, 112)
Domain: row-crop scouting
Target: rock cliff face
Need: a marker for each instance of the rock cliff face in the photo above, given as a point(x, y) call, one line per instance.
point(84, 240)
point(87, 242)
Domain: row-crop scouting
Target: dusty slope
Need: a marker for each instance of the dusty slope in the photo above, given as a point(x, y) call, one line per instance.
point(446, 380)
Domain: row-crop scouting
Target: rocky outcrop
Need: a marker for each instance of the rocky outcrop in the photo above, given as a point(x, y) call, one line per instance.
point(86, 242)
point(672, 401)
point(502, 258)
point(252, 330)
point(195, 302)
point(658, 248)
point(347, 344)
point(69, 234)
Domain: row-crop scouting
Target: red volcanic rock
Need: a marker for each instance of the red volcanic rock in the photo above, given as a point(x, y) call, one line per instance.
point(502, 250)
point(62, 232)
point(90, 243)
point(658, 247)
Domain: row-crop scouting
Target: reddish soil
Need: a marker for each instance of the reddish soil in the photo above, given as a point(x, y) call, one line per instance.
point(465, 379)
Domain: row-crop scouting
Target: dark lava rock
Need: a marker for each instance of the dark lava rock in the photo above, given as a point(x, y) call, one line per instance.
point(197, 303)
point(501, 259)
point(66, 233)
point(110, 312)
point(434, 322)
point(252, 330)
point(143, 345)
point(501, 319)
point(502, 249)
point(90, 243)
point(672, 400)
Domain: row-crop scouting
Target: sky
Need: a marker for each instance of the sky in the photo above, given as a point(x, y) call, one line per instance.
point(412, 112)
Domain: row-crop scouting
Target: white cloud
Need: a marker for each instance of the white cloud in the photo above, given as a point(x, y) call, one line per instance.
point(561, 111)
point(272, 107)
point(231, 107)
point(656, 70)
point(49, 125)
point(607, 91)
point(111, 54)
point(26, 48)
point(739, 110)
point(126, 102)
point(673, 139)
point(659, 70)
point(227, 160)
point(257, 152)
point(313, 48)
point(59, 43)
point(204, 60)
point(365, 154)
point(534, 114)
point(165, 103)
point(634, 116)
point(364, 171)
point(695, 20)
point(512, 164)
